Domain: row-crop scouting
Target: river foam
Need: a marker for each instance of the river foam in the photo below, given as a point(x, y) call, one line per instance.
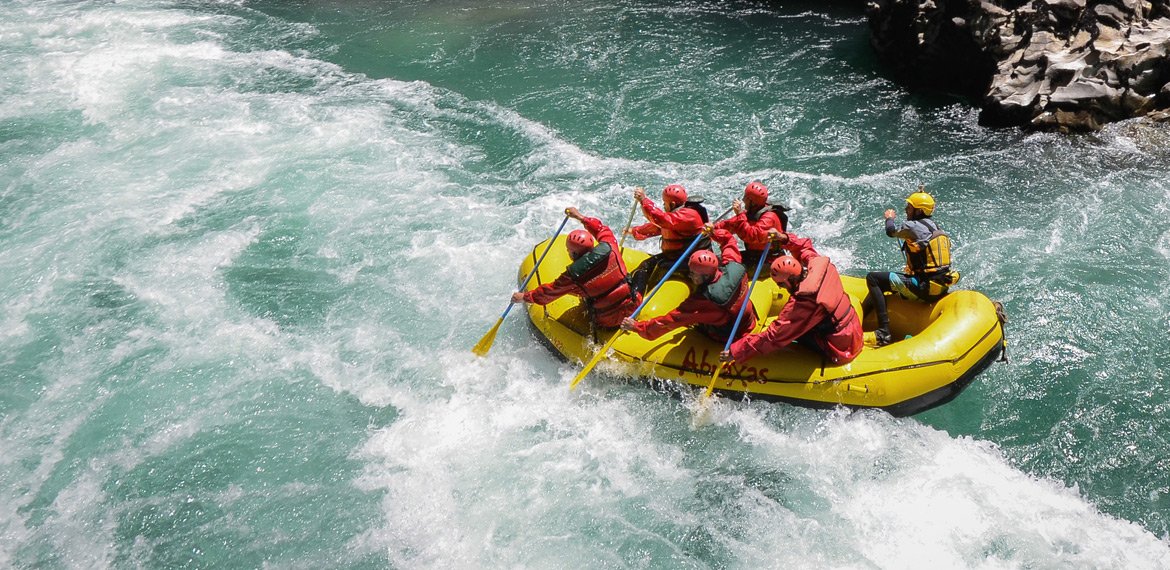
point(241, 283)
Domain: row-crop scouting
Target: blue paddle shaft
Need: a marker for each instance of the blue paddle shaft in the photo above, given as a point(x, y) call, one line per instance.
point(677, 262)
point(537, 266)
point(746, 302)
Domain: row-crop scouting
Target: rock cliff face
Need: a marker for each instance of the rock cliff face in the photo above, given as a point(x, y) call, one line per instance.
point(1068, 65)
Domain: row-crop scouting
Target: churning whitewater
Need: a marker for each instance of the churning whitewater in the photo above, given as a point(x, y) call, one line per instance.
point(247, 246)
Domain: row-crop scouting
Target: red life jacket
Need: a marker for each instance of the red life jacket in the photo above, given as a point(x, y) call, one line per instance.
point(823, 285)
point(673, 240)
point(754, 217)
point(601, 276)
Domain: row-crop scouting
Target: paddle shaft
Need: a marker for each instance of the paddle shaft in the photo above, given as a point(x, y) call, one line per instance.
point(674, 267)
point(536, 267)
point(600, 354)
point(484, 345)
point(629, 224)
point(739, 317)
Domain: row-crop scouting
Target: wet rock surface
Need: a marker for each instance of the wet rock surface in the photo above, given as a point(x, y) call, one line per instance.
point(1066, 65)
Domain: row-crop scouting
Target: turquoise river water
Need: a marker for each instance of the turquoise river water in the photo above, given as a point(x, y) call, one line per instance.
point(246, 247)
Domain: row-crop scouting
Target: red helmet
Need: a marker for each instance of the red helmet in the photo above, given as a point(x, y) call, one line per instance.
point(674, 195)
point(784, 269)
point(703, 263)
point(755, 194)
point(579, 241)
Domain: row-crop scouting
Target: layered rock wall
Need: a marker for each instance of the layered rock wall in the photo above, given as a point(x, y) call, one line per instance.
point(1069, 65)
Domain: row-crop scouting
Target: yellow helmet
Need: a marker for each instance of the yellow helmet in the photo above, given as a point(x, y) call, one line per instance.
point(922, 201)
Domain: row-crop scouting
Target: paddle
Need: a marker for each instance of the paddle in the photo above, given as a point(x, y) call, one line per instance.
point(597, 357)
point(485, 344)
point(735, 327)
point(629, 224)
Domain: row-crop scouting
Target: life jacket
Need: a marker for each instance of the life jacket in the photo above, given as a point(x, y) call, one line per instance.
point(676, 241)
point(822, 284)
point(729, 292)
point(696, 204)
point(754, 216)
point(601, 275)
point(930, 259)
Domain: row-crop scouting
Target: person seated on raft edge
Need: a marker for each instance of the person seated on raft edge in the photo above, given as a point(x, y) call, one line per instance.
point(818, 314)
point(753, 219)
point(597, 275)
point(679, 223)
point(720, 289)
point(927, 276)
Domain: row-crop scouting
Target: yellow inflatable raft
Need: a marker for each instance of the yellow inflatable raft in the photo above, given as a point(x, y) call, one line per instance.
point(946, 344)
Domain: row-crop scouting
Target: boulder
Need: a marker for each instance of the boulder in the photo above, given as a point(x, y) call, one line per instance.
point(1066, 65)
point(1085, 93)
point(1066, 121)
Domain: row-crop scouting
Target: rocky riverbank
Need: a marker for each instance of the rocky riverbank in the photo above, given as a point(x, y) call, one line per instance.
point(1068, 65)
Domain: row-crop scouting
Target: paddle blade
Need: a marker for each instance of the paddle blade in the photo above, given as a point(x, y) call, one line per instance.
point(702, 410)
point(593, 362)
point(485, 344)
point(702, 415)
point(714, 378)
